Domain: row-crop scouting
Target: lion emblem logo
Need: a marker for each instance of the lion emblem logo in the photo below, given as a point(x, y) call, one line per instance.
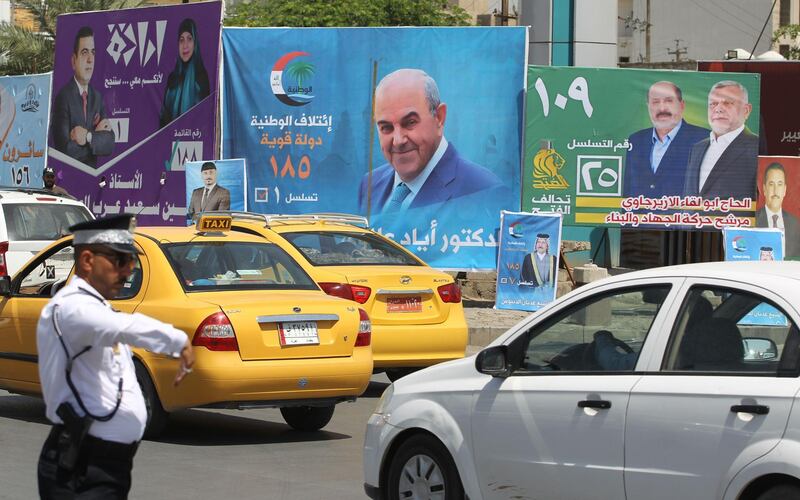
point(546, 165)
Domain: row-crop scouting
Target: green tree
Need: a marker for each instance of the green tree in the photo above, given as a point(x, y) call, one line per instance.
point(790, 32)
point(26, 51)
point(332, 13)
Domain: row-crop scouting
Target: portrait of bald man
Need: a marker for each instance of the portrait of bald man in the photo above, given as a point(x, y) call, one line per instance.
point(725, 163)
point(656, 164)
point(423, 167)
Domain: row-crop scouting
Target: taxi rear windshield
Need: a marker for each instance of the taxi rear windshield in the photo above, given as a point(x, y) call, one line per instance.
point(348, 249)
point(41, 221)
point(236, 266)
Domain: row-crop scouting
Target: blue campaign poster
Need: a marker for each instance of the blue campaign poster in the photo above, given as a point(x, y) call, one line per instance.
point(215, 185)
point(527, 266)
point(756, 244)
point(418, 129)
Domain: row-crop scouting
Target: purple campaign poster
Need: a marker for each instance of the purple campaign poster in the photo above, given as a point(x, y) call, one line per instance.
point(134, 98)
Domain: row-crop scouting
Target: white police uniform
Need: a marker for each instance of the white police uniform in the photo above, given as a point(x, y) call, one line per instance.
point(79, 324)
point(86, 319)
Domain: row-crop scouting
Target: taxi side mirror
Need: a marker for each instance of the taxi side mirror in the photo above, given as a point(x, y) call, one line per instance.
point(494, 361)
point(5, 286)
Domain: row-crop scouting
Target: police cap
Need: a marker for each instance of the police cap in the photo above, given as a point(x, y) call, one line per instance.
point(115, 232)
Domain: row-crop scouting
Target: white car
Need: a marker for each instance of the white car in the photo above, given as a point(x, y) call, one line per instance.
point(676, 382)
point(31, 219)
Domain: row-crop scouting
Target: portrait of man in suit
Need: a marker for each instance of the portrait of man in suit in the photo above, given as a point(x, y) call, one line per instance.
point(656, 164)
point(539, 267)
point(725, 163)
point(210, 196)
point(79, 123)
point(772, 213)
point(423, 167)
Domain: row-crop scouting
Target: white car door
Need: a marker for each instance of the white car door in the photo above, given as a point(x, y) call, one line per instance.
point(554, 428)
point(714, 402)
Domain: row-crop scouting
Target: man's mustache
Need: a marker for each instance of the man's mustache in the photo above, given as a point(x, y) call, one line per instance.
point(404, 149)
point(664, 114)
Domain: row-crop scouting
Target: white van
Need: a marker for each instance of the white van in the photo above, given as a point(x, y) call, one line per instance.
point(30, 219)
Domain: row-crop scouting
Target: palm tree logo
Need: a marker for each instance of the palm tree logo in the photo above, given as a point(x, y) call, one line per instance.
point(300, 71)
point(290, 79)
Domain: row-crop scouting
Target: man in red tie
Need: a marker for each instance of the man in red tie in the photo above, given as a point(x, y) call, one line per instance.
point(772, 213)
point(79, 124)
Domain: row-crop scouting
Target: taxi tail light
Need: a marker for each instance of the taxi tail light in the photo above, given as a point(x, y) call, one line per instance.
point(3, 263)
point(216, 333)
point(450, 292)
point(357, 293)
point(364, 337)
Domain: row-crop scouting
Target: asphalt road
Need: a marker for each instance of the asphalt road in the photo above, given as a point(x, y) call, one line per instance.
point(213, 453)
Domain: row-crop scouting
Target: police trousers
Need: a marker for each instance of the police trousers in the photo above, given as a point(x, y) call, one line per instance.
point(103, 470)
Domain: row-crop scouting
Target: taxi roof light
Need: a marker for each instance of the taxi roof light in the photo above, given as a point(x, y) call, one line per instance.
point(216, 333)
point(213, 223)
point(364, 337)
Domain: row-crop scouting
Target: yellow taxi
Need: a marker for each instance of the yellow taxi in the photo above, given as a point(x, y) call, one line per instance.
point(264, 333)
point(416, 311)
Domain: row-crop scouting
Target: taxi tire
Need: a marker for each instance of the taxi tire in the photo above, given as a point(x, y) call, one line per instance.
point(307, 418)
point(415, 451)
point(156, 415)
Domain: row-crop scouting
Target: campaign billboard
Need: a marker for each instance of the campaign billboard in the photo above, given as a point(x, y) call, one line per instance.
point(24, 105)
point(419, 129)
point(779, 200)
point(134, 99)
point(641, 148)
point(527, 263)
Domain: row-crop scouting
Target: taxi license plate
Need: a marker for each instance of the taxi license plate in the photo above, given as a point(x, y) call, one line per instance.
point(404, 304)
point(298, 333)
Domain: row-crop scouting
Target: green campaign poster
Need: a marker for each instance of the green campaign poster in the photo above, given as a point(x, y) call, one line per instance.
point(642, 148)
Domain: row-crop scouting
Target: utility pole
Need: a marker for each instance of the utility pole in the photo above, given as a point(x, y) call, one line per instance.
point(504, 16)
point(636, 24)
point(647, 31)
point(679, 51)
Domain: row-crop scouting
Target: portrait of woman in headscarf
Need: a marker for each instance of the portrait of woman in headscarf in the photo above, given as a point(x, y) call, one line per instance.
point(187, 84)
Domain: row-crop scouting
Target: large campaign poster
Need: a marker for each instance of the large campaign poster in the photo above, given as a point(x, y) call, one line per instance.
point(635, 148)
point(527, 263)
point(134, 99)
point(779, 199)
point(24, 105)
point(779, 130)
point(430, 155)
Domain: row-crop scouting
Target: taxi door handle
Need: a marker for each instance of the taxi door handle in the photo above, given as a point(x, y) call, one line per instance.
point(599, 404)
point(755, 409)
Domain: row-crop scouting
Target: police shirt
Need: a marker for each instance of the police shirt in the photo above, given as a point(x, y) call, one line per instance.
point(85, 318)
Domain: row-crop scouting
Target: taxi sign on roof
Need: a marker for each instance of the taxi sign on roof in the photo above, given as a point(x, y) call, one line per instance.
point(213, 223)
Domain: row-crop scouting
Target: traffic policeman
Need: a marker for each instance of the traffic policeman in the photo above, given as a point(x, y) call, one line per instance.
point(87, 372)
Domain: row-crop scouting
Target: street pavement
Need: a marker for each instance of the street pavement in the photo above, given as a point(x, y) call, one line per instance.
point(211, 454)
point(229, 453)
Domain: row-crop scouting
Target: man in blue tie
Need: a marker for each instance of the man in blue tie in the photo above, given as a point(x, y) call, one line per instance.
point(655, 166)
point(423, 167)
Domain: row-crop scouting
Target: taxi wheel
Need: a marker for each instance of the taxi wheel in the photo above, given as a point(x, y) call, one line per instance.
point(307, 418)
point(395, 374)
point(156, 415)
point(423, 469)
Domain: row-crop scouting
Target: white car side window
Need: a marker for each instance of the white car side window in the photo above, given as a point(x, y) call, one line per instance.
point(603, 333)
point(726, 330)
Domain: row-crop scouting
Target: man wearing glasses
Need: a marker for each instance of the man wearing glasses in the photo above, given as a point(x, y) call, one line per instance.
point(86, 368)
